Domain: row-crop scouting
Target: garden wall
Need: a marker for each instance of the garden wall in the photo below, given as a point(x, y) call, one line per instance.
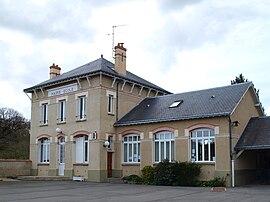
point(14, 167)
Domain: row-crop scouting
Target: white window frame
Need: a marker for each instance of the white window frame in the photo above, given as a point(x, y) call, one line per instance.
point(110, 104)
point(81, 107)
point(205, 136)
point(44, 150)
point(131, 145)
point(61, 110)
point(164, 146)
point(44, 113)
point(82, 149)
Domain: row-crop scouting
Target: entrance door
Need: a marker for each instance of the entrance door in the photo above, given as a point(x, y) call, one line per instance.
point(109, 164)
point(61, 168)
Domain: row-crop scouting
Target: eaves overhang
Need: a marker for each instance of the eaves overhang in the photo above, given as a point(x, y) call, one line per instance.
point(252, 147)
point(74, 78)
point(147, 121)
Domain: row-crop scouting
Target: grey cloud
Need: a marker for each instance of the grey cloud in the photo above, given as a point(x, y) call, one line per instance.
point(66, 20)
point(207, 23)
point(169, 5)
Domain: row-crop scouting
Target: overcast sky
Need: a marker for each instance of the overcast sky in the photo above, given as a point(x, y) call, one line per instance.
point(180, 45)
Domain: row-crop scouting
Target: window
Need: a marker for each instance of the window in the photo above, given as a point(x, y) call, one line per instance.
point(164, 146)
point(44, 114)
point(175, 103)
point(131, 145)
point(81, 108)
point(82, 149)
point(110, 104)
point(61, 117)
point(44, 150)
point(203, 145)
point(61, 142)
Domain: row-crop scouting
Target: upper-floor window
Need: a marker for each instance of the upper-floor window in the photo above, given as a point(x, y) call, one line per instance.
point(131, 147)
point(110, 104)
point(164, 146)
point(111, 95)
point(81, 110)
point(203, 145)
point(61, 111)
point(82, 148)
point(44, 150)
point(44, 114)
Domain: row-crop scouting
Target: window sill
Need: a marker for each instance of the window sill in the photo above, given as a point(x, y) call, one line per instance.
point(80, 164)
point(80, 120)
point(43, 164)
point(110, 114)
point(131, 164)
point(59, 123)
point(205, 162)
point(43, 124)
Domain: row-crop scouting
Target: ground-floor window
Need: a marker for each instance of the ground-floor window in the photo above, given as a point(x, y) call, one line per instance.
point(44, 150)
point(131, 147)
point(82, 149)
point(164, 146)
point(203, 145)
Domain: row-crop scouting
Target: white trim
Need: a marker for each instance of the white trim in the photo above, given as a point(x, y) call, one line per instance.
point(62, 98)
point(142, 136)
point(175, 133)
point(151, 135)
point(77, 95)
point(44, 102)
point(113, 93)
point(186, 132)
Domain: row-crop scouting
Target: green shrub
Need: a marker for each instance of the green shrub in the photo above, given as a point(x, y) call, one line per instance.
point(187, 173)
point(132, 179)
point(176, 173)
point(216, 182)
point(148, 175)
point(165, 173)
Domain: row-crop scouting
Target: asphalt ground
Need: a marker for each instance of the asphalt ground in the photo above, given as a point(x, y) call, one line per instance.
point(87, 191)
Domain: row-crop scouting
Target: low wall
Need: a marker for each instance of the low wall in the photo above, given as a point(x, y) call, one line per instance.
point(14, 167)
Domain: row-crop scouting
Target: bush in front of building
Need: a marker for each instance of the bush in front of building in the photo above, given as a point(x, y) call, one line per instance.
point(168, 174)
point(132, 179)
point(165, 173)
point(148, 175)
point(216, 182)
point(187, 173)
point(176, 173)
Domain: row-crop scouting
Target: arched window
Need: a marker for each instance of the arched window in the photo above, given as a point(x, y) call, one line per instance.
point(131, 148)
point(203, 145)
point(82, 148)
point(164, 146)
point(44, 150)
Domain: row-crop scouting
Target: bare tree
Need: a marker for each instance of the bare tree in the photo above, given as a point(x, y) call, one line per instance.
point(14, 134)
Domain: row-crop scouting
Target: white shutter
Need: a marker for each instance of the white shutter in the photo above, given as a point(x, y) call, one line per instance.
point(79, 150)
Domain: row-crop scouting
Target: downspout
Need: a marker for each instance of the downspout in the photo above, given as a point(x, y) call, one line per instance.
point(117, 101)
point(231, 151)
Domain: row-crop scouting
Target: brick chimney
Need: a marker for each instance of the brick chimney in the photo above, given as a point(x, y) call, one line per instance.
point(54, 71)
point(120, 59)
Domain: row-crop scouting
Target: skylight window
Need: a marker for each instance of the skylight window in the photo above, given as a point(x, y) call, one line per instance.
point(175, 103)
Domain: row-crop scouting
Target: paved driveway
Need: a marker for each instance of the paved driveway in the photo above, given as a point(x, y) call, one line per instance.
point(87, 191)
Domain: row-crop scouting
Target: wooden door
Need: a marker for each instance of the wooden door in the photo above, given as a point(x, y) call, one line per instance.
point(109, 164)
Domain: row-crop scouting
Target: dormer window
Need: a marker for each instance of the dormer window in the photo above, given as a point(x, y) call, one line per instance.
point(175, 103)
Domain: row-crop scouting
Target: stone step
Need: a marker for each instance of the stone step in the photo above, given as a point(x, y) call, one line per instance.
point(43, 178)
point(115, 180)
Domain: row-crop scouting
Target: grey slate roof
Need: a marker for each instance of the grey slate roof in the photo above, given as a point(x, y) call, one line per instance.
point(213, 102)
point(256, 135)
point(98, 66)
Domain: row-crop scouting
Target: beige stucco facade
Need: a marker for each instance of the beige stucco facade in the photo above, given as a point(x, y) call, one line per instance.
point(98, 119)
point(106, 97)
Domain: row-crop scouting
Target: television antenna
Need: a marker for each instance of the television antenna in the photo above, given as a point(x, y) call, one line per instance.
point(113, 28)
